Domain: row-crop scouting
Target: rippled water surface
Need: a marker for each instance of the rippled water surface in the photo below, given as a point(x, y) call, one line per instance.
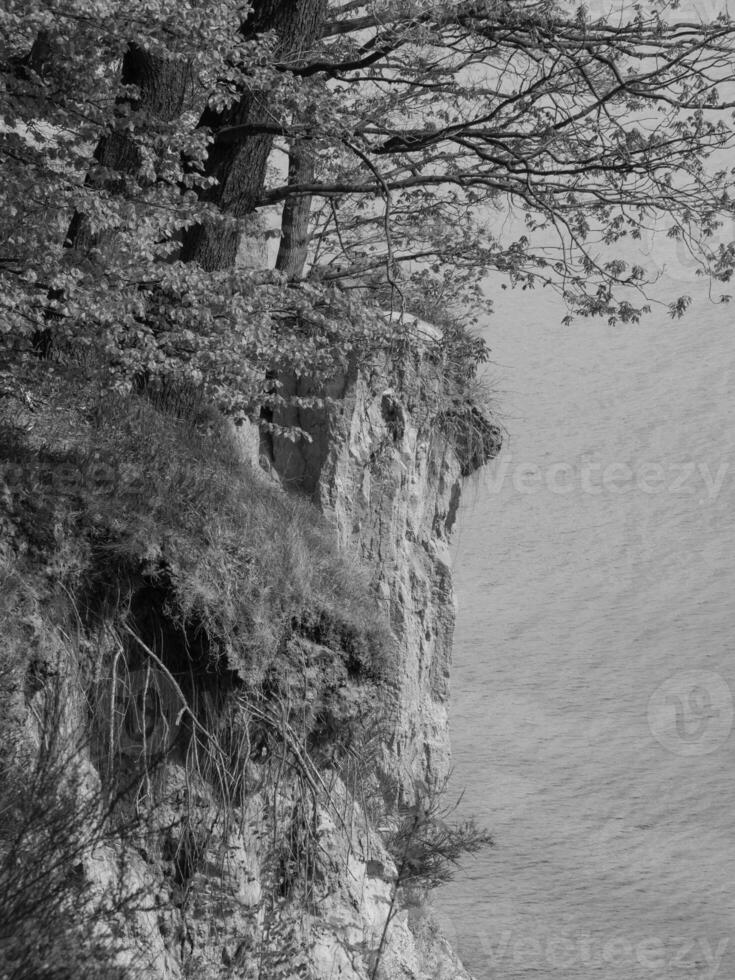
point(594, 664)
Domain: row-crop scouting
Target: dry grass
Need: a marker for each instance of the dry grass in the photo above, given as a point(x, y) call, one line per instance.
point(217, 630)
point(53, 924)
point(119, 492)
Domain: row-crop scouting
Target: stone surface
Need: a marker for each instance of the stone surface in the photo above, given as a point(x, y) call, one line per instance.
point(381, 468)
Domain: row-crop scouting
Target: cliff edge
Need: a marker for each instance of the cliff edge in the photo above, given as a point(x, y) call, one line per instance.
point(225, 678)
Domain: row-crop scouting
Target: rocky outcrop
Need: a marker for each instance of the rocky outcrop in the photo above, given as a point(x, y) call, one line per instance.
point(250, 848)
point(386, 464)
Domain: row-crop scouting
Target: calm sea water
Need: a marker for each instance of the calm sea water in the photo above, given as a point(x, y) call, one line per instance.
point(594, 663)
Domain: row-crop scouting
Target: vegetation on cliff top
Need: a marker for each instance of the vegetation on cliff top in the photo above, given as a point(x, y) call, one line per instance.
point(140, 141)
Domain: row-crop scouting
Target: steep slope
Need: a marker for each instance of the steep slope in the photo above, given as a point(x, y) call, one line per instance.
point(212, 695)
point(386, 466)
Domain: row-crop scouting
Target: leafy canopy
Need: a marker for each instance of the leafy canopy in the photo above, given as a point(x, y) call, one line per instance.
point(399, 134)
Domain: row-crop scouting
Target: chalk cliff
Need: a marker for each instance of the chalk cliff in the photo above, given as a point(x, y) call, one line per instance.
point(252, 836)
point(386, 466)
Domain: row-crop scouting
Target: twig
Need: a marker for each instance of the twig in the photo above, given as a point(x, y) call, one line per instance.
point(386, 219)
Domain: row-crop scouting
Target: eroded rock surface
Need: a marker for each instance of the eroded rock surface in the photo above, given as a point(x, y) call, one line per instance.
point(387, 464)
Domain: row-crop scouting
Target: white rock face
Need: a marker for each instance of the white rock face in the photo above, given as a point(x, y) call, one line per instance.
point(396, 506)
point(388, 477)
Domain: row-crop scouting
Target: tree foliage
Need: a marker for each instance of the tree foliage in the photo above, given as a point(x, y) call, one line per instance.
point(139, 141)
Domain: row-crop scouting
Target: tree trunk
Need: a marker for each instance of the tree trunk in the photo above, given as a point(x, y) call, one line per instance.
point(240, 164)
point(294, 246)
point(41, 53)
point(165, 86)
